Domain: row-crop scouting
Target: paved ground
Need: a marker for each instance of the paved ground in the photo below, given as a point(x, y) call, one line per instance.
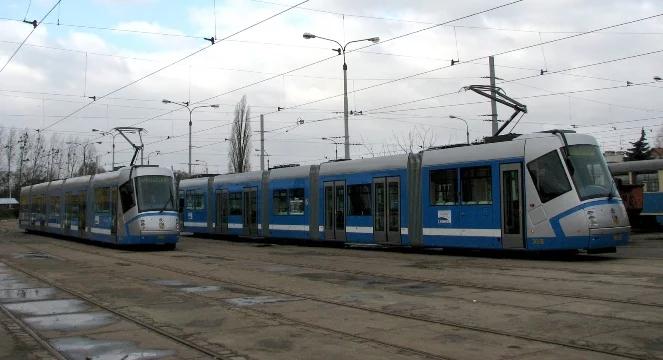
point(243, 300)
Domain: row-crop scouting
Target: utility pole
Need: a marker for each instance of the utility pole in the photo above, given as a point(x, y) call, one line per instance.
point(262, 142)
point(493, 103)
point(9, 148)
point(23, 141)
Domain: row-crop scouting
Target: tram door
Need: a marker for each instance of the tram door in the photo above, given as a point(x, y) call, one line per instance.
point(335, 210)
point(82, 212)
point(250, 213)
point(387, 213)
point(114, 203)
point(222, 211)
point(512, 206)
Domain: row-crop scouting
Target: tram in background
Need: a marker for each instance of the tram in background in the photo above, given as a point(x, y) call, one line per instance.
point(534, 192)
point(642, 181)
point(131, 206)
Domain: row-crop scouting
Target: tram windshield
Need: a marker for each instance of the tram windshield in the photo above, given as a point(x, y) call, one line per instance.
point(590, 173)
point(154, 193)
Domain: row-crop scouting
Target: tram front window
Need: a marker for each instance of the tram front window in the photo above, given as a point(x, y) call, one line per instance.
point(590, 173)
point(154, 193)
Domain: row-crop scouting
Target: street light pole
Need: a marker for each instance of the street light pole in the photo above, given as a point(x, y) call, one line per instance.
point(335, 145)
point(341, 50)
point(104, 133)
point(206, 165)
point(467, 127)
point(186, 104)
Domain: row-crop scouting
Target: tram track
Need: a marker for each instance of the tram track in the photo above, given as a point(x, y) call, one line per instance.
point(251, 310)
point(383, 253)
point(444, 282)
point(77, 294)
point(408, 316)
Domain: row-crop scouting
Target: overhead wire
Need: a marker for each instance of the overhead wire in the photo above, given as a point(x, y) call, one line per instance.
point(34, 27)
point(331, 57)
point(483, 57)
point(216, 41)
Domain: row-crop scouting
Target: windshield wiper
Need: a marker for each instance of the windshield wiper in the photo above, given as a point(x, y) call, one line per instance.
point(170, 198)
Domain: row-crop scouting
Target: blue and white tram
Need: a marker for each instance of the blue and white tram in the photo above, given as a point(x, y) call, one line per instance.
point(542, 191)
point(130, 206)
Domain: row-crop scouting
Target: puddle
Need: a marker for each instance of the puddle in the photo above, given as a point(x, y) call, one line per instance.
point(257, 300)
point(15, 284)
point(362, 281)
point(71, 322)
point(84, 348)
point(282, 269)
point(7, 276)
point(418, 289)
point(11, 295)
point(33, 255)
point(186, 287)
point(48, 307)
point(170, 283)
point(200, 289)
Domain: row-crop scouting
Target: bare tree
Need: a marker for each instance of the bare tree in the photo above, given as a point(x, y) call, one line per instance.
point(239, 157)
point(415, 140)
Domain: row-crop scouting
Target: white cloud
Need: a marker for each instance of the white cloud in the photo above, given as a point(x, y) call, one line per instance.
point(257, 51)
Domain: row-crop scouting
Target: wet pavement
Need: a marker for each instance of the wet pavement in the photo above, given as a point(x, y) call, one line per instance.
point(52, 317)
point(238, 300)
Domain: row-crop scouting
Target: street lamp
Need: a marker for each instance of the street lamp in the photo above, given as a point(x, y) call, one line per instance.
point(84, 149)
point(206, 165)
point(153, 152)
point(265, 154)
point(341, 50)
point(186, 104)
point(336, 143)
point(467, 127)
point(104, 133)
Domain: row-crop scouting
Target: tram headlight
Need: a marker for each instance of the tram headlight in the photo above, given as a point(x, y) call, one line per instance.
point(177, 225)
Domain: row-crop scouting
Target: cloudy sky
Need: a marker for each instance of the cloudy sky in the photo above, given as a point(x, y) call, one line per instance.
point(402, 84)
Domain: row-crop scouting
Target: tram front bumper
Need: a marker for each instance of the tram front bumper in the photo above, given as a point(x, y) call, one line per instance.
point(608, 237)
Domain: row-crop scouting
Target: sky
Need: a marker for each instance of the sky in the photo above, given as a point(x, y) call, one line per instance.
point(127, 54)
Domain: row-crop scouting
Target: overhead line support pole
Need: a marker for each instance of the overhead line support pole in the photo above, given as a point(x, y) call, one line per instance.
point(493, 103)
point(262, 142)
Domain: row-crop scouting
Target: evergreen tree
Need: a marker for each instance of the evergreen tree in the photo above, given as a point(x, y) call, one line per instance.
point(640, 149)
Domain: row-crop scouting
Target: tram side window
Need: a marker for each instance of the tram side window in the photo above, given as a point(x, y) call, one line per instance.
point(101, 200)
point(280, 202)
point(360, 199)
point(443, 187)
point(127, 196)
point(296, 201)
point(54, 207)
point(649, 180)
point(71, 206)
point(235, 203)
point(194, 200)
point(476, 185)
point(548, 176)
